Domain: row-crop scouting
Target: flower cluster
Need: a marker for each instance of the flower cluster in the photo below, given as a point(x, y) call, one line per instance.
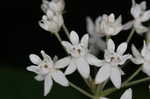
point(81, 54)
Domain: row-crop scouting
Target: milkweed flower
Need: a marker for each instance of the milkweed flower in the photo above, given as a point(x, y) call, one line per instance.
point(110, 67)
point(96, 42)
point(143, 57)
point(80, 58)
point(46, 71)
point(110, 26)
point(140, 15)
point(53, 19)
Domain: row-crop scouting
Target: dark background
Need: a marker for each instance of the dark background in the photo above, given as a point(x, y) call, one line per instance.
point(24, 36)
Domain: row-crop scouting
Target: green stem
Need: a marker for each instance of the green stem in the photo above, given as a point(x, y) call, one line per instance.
point(81, 90)
point(58, 37)
point(66, 30)
point(111, 90)
point(130, 35)
point(133, 75)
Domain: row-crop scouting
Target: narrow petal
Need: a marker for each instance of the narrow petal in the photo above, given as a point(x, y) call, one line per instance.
point(33, 68)
point(116, 77)
point(110, 45)
point(146, 16)
point(39, 78)
point(90, 26)
point(140, 29)
point(125, 58)
point(135, 52)
point(60, 78)
point(70, 69)
point(67, 45)
point(144, 50)
point(127, 94)
point(146, 68)
point(47, 84)
point(84, 40)
point(128, 25)
point(63, 62)
point(92, 60)
point(35, 59)
point(74, 38)
point(46, 57)
point(103, 74)
point(83, 67)
point(122, 48)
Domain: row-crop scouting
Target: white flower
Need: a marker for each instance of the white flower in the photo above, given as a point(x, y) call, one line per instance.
point(57, 6)
point(80, 58)
point(96, 42)
point(142, 58)
point(46, 70)
point(51, 22)
point(126, 95)
point(109, 26)
point(140, 14)
point(110, 67)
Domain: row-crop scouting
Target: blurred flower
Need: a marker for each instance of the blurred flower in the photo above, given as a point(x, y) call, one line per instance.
point(142, 58)
point(80, 57)
point(110, 67)
point(53, 20)
point(46, 70)
point(57, 6)
point(126, 95)
point(140, 14)
point(96, 42)
point(109, 26)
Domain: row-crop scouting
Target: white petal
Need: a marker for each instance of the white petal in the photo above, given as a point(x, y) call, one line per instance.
point(83, 67)
point(35, 59)
point(127, 94)
point(122, 48)
point(67, 45)
point(140, 28)
point(146, 68)
point(143, 5)
point(33, 68)
point(116, 77)
point(39, 78)
point(128, 25)
point(125, 58)
point(90, 26)
point(146, 16)
point(46, 57)
point(60, 78)
point(92, 60)
point(144, 50)
point(70, 69)
point(63, 62)
point(84, 40)
point(135, 52)
point(110, 45)
point(111, 17)
point(103, 74)
point(47, 84)
point(74, 38)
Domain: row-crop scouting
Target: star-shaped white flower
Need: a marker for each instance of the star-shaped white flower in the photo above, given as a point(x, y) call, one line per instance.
point(96, 42)
point(110, 67)
point(126, 95)
point(109, 26)
point(142, 58)
point(80, 58)
point(51, 22)
point(46, 70)
point(140, 14)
